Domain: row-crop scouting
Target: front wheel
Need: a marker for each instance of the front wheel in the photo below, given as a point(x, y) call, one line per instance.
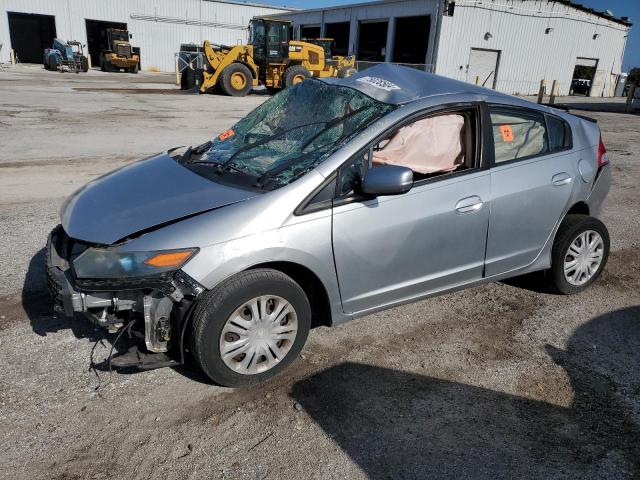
point(250, 328)
point(133, 68)
point(236, 80)
point(579, 254)
point(295, 74)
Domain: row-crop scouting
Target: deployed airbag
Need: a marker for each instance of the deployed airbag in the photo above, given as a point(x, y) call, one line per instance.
point(429, 145)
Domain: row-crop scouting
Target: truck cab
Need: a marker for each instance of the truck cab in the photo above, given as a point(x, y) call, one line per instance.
point(117, 52)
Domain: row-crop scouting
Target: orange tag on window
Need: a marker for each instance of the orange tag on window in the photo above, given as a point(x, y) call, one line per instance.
point(507, 133)
point(228, 134)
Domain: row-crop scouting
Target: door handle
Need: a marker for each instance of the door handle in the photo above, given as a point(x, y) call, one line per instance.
point(561, 179)
point(469, 204)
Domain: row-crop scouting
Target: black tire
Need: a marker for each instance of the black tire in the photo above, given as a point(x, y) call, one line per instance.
point(85, 64)
point(107, 66)
point(293, 74)
point(345, 72)
point(230, 78)
point(216, 306)
point(133, 69)
point(53, 63)
point(44, 62)
point(570, 228)
point(187, 79)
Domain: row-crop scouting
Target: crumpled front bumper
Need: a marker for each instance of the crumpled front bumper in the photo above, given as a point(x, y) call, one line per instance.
point(67, 298)
point(112, 304)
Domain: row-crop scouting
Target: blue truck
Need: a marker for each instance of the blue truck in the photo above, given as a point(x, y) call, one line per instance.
point(66, 54)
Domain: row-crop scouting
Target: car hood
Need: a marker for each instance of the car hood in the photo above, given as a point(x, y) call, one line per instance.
point(141, 196)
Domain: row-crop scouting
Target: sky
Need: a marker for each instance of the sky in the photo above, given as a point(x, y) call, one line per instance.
point(620, 8)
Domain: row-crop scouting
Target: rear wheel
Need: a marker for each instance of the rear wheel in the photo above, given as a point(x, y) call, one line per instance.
point(295, 74)
point(579, 254)
point(250, 328)
point(85, 64)
point(236, 80)
point(53, 63)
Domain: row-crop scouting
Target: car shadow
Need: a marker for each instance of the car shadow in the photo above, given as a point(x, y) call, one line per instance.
point(534, 282)
point(38, 306)
point(395, 424)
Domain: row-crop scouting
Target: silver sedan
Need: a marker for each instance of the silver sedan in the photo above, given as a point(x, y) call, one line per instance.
point(334, 199)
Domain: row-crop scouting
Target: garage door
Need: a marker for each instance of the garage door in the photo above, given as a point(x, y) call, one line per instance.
point(30, 35)
point(483, 65)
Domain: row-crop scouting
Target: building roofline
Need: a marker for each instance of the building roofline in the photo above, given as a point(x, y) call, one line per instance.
point(578, 6)
point(255, 4)
point(603, 14)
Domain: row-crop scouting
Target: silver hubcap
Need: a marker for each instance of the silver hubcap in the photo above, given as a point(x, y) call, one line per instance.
point(258, 335)
point(583, 258)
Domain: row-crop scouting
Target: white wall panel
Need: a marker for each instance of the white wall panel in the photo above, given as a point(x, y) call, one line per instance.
point(528, 54)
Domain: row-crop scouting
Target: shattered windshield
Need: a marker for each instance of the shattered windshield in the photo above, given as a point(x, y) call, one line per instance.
point(289, 134)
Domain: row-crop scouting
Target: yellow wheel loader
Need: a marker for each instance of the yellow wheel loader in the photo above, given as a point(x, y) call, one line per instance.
point(270, 59)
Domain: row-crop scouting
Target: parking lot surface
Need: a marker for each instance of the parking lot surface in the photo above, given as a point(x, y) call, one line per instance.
point(502, 380)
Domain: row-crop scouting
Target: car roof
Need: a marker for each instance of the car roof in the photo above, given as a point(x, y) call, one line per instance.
point(399, 85)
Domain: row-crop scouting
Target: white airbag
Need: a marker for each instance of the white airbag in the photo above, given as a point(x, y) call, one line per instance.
point(429, 145)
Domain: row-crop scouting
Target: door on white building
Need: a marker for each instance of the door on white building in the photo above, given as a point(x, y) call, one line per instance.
point(483, 67)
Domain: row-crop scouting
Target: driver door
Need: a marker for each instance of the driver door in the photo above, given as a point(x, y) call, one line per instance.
point(393, 249)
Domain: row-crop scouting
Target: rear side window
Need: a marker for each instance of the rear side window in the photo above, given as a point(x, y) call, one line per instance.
point(518, 134)
point(559, 134)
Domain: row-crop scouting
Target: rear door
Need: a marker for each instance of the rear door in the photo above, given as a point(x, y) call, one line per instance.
point(531, 183)
point(483, 67)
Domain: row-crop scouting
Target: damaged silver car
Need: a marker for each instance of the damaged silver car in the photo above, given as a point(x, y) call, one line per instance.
point(334, 199)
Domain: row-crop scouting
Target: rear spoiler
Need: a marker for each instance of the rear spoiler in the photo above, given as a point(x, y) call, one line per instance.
point(566, 108)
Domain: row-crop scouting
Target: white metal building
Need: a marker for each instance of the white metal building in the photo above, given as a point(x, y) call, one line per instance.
point(509, 45)
point(157, 27)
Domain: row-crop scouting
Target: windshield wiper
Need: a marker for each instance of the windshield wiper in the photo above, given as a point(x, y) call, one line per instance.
point(184, 158)
point(222, 167)
point(270, 138)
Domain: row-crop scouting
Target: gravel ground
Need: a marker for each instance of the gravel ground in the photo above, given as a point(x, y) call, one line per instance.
point(503, 380)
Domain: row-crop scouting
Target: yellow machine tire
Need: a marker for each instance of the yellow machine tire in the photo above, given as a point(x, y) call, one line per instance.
point(236, 80)
point(295, 74)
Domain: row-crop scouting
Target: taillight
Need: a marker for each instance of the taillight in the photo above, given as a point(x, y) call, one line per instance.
point(602, 154)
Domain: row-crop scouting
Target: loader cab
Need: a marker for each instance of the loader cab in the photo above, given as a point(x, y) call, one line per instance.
point(114, 35)
point(270, 40)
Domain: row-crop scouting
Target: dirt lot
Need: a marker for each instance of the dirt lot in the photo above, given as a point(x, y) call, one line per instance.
point(499, 381)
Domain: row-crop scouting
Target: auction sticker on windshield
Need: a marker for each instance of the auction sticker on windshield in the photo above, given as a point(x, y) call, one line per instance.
point(379, 83)
point(228, 134)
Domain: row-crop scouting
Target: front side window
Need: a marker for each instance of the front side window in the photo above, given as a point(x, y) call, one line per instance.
point(518, 134)
point(431, 146)
point(291, 133)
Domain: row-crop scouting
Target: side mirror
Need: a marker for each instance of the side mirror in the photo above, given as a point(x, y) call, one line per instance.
point(387, 180)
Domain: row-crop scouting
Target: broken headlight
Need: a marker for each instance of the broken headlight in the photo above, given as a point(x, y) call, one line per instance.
point(111, 263)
